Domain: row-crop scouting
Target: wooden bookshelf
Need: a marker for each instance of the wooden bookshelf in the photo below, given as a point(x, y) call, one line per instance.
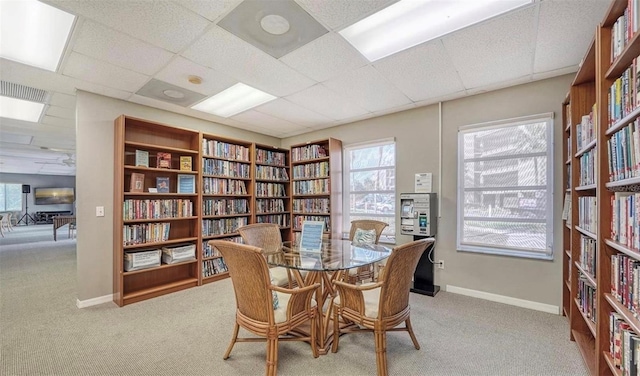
point(227, 204)
point(272, 178)
point(316, 176)
point(615, 92)
point(145, 221)
point(566, 183)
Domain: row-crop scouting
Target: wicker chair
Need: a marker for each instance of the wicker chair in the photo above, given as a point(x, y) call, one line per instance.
point(364, 273)
point(267, 237)
point(254, 303)
point(380, 307)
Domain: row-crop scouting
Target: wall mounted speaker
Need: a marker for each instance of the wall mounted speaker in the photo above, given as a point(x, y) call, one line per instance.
point(26, 188)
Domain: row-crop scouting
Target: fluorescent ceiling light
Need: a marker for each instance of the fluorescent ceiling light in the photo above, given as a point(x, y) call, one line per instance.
point(34, 33)
point(20, 109)
point(408, 23)
point(237, 98)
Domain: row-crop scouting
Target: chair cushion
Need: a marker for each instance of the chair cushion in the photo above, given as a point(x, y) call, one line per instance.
point(371, 301)
point(280, 314)
point(364, 236)
point(274, 294)
point(279, 276)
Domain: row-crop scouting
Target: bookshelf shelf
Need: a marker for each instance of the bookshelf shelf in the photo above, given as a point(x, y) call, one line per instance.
point(163, 266)
point(590, 324)
point(165, 288)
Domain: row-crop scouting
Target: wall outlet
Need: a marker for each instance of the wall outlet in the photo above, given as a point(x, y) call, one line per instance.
point(440, 264)
point(99, 211)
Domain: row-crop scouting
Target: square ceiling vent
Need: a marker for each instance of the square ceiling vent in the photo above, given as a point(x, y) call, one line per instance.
point(277, 27)
point(166, 92)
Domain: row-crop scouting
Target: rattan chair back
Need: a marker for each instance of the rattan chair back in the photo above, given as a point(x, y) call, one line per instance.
point(367, 224)
point(264, 235)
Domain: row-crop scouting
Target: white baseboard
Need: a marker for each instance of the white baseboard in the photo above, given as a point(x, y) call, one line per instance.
point(94, 301)
point(548, 308)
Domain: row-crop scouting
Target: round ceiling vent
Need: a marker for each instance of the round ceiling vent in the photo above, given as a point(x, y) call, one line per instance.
point(274, 24)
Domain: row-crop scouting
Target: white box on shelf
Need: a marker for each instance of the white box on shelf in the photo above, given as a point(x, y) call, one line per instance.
point(141, 260)
point(171, 255)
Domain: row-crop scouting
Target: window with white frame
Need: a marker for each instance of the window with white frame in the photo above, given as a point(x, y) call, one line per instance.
point(505, 187)
point(370, 185)
point(10, 197)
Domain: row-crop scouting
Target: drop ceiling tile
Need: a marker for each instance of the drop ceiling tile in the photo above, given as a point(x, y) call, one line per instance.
point(95, 71)
point(497, 50)
point(211, 10)
point(337, 14)
point(61, 112)
point(103, 43)
point(368, 89)
point(246, 63)
point(562, 28)
point(422, 72)
point(63, 100)
point(179, 70)
point(325, 58)
point(162, 23)
point(14, 138)
point(272, 124)
point(39, 78)
point(58, 122)
point(283, 109)
point(320, 99)
point(100, 89)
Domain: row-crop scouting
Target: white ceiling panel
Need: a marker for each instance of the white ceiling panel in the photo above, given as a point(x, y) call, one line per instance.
point(39, 78)
point(561, 30)
point(246, 63)
point(337, 14)
point(63, 100)
point(161, 23)
point(423, 72)
point(15, 138)
point(211, 10)
point(58, 122)
point(61, 112)
point(99, 89)
point(325, 57)
point(368, 89)
point(326, 102)
point(272, 124)
point(283, 109)
point(498, 50)
point(179, 70)
point(95, 71)
point(103, 43)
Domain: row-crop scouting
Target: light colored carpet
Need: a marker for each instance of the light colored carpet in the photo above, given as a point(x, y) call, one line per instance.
point(34, 234)
point(186, 333)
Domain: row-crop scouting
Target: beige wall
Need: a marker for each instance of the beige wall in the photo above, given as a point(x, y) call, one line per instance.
point(417, 150)
point(417, 144)
point(95, 116)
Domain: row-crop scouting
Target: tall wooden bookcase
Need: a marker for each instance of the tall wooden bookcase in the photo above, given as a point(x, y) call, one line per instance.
point(273, 187)
point(316, 175)
point(227, 203)
point(605, 214)
point(144, 225)
point(566, 229)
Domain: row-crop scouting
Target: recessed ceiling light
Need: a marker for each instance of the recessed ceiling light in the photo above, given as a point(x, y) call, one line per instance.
point(20, 109)
point(408, 23)
point(195, 80)
point(274, 24)
point(236, 99)
point(34, 33)
point(173, 94)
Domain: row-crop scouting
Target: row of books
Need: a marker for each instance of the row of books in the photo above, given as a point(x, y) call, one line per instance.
point(625, 280)
point(311, 205)
point(270, 190)
point(163, 160)
point(624, 345)
point(145, 233)
point(272, 173)
point(311, 170)
point(299, 219)
point(623, 94)
point(225, 150)
point(587, 298)
point(270, 205)
point(307, 152)
point(221, 167)
point(588, 214)
point(624, 153)
point(212, 227)
point(209, 251)
point(624, 28)
point(625, 219)
point(225, 206)
point(184, 184)
point(213, 266)
point(224, 186)
point(588, 254)
point(588, 162)
point(281, 220)
point(156, 209)
point(320, 186)
point(585, 131)
point(275, 158)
